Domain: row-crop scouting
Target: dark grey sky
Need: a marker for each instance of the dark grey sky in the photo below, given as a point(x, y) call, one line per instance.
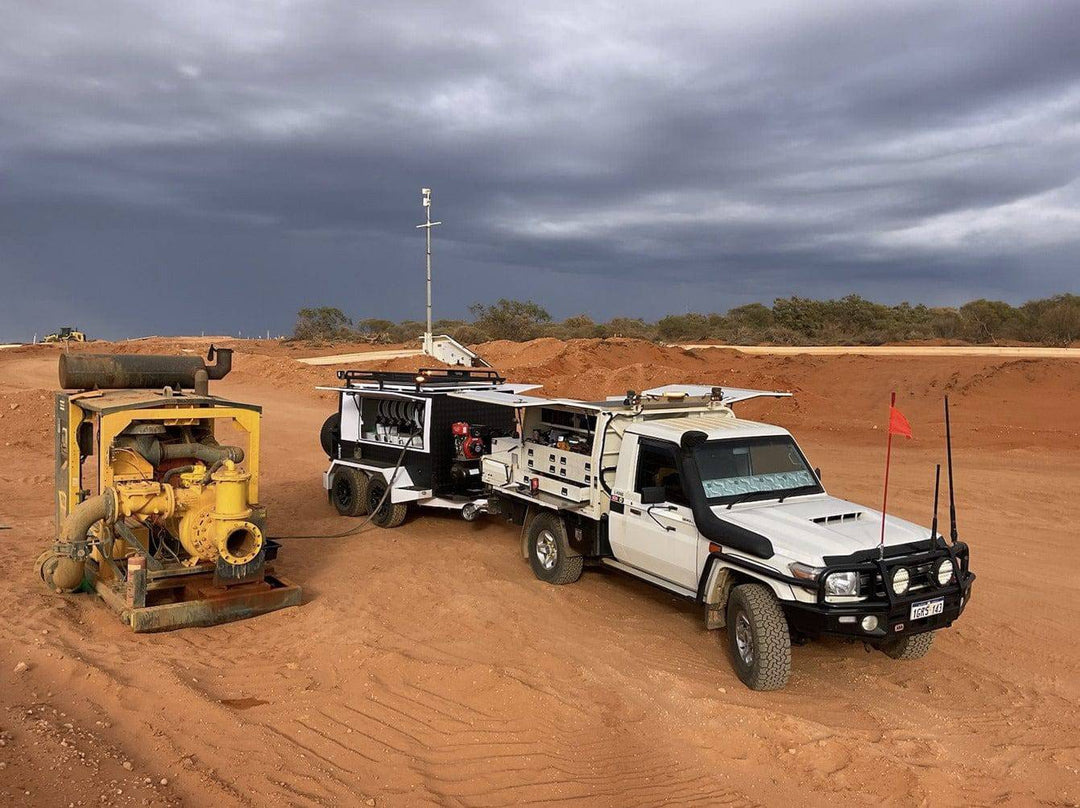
point(214, 165)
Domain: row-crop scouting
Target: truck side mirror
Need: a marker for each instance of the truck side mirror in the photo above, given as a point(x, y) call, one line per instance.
point(817, 472)
point(653, 495)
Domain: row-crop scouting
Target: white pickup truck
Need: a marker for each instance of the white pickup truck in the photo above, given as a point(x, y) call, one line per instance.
point(671, 487)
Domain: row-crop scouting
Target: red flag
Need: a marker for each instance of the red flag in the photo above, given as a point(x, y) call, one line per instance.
point(898, 424)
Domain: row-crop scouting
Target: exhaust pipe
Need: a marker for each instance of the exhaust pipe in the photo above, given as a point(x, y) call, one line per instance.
point(141, 371)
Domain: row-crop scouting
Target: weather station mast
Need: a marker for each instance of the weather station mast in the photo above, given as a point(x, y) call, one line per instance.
point(427, 225)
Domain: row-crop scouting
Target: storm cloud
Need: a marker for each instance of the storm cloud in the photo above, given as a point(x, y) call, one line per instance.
point(213, 166)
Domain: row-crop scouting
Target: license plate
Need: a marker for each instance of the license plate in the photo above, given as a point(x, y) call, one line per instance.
point(928, 608)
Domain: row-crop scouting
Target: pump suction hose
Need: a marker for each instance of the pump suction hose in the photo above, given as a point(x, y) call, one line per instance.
point(62, 573)
point(83, 517)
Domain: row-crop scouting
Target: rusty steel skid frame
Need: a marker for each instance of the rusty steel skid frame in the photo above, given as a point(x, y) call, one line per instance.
point(202, 603)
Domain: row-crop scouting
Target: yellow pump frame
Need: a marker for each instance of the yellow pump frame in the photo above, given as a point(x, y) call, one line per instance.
point(90, 422)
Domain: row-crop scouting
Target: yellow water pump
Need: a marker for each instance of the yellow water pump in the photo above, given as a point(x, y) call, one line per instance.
point(171, 534)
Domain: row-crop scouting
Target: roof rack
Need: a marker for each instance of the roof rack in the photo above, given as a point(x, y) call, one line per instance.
point(430, 378)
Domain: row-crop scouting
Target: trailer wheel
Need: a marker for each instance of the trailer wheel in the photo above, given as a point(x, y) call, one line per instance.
point(913, 646)
point(549, 551)
point(384, 513)
point(349, 491)
point(330, 435)
point(758, 638)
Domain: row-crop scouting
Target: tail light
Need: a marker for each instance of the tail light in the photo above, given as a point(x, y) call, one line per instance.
point(534, 485)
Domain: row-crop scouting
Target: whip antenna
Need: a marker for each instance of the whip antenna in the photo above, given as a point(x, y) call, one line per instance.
point(948, 455)
point(937, 489)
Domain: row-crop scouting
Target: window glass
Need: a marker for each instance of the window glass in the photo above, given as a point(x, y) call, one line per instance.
point(761, 466)
point(656, 467)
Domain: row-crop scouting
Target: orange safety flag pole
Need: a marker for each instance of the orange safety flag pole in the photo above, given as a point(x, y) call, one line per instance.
point(898, 425)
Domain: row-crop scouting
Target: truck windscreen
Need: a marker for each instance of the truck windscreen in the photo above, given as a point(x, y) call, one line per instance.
point(753, 468)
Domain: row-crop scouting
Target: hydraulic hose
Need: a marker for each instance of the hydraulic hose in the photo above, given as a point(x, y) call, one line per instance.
point(168, 475)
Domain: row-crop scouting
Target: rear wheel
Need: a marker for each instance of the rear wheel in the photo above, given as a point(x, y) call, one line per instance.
point(349, 491)
point(549, 551)
point(330, 435)
point(384, 513)
point(758, 638)
point(914, 646)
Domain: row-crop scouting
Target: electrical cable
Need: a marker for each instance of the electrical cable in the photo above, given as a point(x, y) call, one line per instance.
point(375, 510)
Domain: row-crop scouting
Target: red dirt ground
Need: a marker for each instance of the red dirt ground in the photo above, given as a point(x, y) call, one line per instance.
point(427, 666)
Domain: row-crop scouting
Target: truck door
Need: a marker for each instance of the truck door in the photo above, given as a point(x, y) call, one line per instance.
point(658, 537)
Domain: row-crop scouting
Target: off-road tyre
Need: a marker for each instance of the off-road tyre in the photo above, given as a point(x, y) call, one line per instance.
point(756, 622)
point(549, 551)
point(349, 491)
point(387, 514)
point(330, 435)
point(913, 646)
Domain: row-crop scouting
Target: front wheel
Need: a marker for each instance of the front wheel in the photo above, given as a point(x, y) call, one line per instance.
point(913, 646)
point(549, 551)
point(758, 637)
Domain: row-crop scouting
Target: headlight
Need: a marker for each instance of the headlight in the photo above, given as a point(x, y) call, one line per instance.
point(842, 583)
point(944, 571)
point(901, 578)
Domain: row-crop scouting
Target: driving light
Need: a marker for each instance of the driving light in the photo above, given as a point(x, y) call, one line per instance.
point(842, 583)
point(901, 579)
point(944, 572)
point(869, 623)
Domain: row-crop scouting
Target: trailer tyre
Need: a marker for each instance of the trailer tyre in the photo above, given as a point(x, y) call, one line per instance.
point(914, 646)
point(758, 637)
point(330, 435)
point(549, 551)
point(349, 491)
point(384, 513)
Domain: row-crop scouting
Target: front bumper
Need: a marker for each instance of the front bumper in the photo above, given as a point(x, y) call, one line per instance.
point(845, 620)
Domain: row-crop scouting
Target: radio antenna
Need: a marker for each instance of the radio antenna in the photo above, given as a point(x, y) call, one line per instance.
point(948, 455)
point(937, 488)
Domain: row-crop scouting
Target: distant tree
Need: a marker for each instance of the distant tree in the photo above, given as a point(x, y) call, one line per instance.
point(680, 327)
point(469, 334)
point(374, 329)
point(752, 315)
point(407, 331)
point(322, 323)
point(1058, 321)
point(631, 327)
point(990, 320)
point(579, 326)
point(510, 319)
